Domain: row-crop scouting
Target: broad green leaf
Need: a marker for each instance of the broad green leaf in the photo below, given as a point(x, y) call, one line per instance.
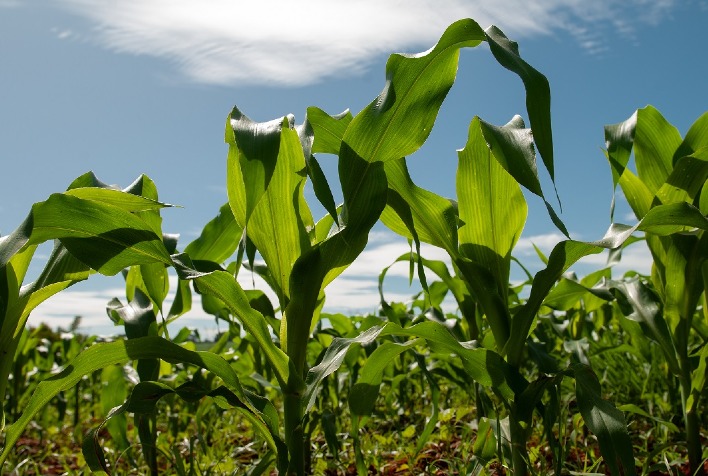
point(253, 153)
point(631, 408)
point(364, 189)
point(143, 186)
point(400, 119)
point(605, 421)
point(329, 130)
point(619, 140)
point(485, 445)
point(156, 279)
point(103, 236)
point(332, 360)
point(89, 179)
point(306, 133)
point(117, 198)
point(218, 240)
point(512, 146)
point(279, 222)
point(698, 382)
point(638, 195)
point(687, 178)
point(61, 271)
point(564, 255)
point(432, 218)
point(567, 293)
point(114, 390)
point(655, 141)
point(139, 320)
point(672, 218)
point(363, 394)
point(696, 139)
point(491, 206)
point(484, 366)
point(321, 187)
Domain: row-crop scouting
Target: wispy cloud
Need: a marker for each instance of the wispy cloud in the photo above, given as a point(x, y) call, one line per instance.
point(296, 43)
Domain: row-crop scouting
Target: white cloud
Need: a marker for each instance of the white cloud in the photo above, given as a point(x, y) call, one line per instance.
point(634, 258)
point(544, 242)
point(296, 43)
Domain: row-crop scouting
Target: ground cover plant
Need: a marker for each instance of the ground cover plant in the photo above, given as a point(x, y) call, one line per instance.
point(301, 390)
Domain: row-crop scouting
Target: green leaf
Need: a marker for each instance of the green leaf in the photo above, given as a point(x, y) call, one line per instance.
point(411, 209)
point(564, 254)
point(672, 218)
point(253, 153)
point(698, 381)
point(619, 140)
point(332, 360)
point(696, 139)
point(484, 366)
point(279, 222)
point(491, 206)
point(223, 286)
point(605, 421)
point(538, 92)
point(655, 142)
point(117, 198)
point(365, 391)
point(400, 119)
point(641, 305)
point(218, 240)
point(323, 124)
point(114, 390)
point(321, 187)
point(329, 130)
point(686, 179)
point(364, 189)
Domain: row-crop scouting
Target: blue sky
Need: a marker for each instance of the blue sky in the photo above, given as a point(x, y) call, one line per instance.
point(144, 86)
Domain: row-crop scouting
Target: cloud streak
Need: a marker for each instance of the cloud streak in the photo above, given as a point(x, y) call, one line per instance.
point(286, 43)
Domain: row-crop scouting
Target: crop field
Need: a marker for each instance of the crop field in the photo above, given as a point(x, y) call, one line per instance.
point(558, 374)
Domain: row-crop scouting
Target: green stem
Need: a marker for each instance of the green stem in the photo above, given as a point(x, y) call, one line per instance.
point(692, 423)
point(294, 432)
point(519, 455)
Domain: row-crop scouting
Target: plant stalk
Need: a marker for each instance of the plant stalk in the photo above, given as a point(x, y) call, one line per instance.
point(294, 432)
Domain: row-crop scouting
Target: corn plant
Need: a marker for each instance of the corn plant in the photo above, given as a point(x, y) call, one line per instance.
point(671, 173)
point(267, 167)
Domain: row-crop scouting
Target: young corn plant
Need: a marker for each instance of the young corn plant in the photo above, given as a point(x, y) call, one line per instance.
point(671, 174)
point(95, 228)
point(268, 164)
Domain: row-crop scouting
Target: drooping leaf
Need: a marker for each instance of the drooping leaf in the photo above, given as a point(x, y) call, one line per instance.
point(538, 92)
point(605, 421)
